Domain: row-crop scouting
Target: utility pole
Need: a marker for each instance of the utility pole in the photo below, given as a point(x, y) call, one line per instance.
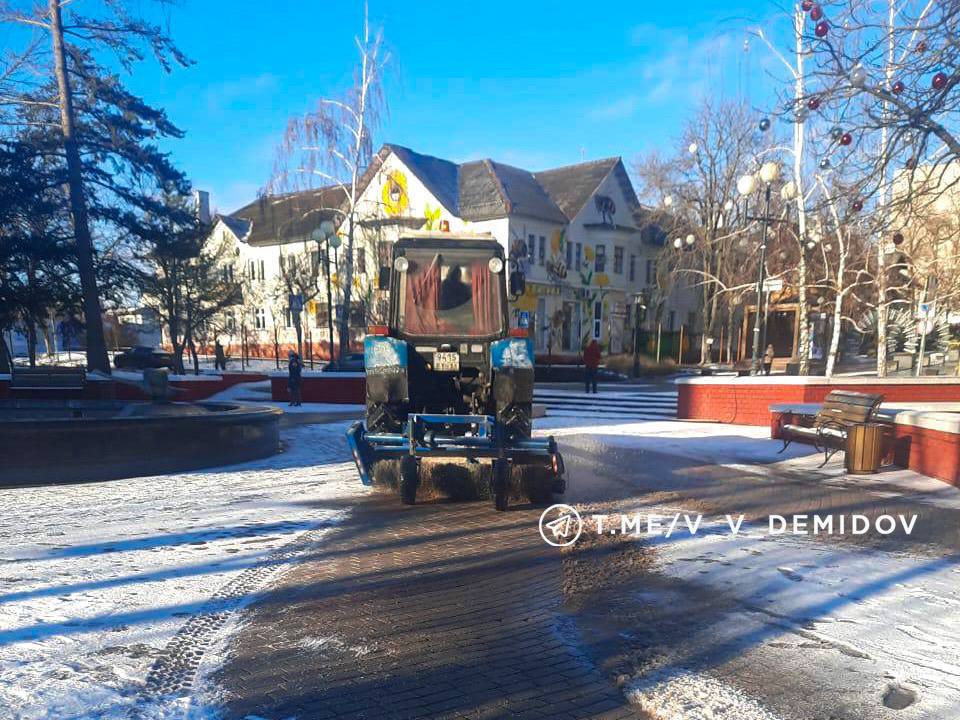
point(96, 344)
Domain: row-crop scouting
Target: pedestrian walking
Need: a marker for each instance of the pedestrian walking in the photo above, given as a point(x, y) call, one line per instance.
point(591, 361)
point(295, 370)
point(219, 357)
point(768, 360)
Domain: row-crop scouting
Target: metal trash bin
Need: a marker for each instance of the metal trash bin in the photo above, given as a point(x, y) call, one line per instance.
point(864, 448)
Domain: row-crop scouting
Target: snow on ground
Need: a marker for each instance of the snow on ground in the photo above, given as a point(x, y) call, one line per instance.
point(96, 579)
point(900, 613)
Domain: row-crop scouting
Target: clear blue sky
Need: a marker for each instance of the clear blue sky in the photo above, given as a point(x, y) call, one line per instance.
point(535, 84)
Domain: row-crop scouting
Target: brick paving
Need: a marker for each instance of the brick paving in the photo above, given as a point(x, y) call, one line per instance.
point(434, 611)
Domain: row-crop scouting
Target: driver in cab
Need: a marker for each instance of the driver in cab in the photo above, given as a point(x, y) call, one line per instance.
point(454, 292)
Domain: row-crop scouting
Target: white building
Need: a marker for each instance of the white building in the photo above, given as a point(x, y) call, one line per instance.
point(574, 231)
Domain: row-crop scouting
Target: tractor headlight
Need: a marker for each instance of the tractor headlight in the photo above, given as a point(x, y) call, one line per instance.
point(495, 265)
point(401, 264)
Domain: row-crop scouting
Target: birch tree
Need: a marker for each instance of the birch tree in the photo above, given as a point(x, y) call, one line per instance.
point(333, 145)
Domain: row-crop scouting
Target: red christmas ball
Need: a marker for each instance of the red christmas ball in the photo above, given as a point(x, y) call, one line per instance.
point(806, 5)
point(813, 103)
point(898, 238)
point(898, 87)
point(846, 139)
point(816, 13)
point(939, 81)
point(857, 205)
point(822, 29)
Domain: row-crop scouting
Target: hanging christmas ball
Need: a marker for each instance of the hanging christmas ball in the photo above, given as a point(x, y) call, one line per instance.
point(825, 164)
point(858, 78)
point(898, 238)
point(802, 115)
point(898, 87)
point(813, 103)
point(846, 139)
point(857, 205)
point(821, 29)
point(806, 5)
point(921, 46)
point(836, 132)
point(939, 81)
point(816, 13)
point(764, 124)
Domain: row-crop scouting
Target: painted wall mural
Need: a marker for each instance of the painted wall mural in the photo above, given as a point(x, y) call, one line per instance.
point(396, 199)
point(605, 207)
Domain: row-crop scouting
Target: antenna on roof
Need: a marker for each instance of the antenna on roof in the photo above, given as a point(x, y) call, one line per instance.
point(583, 153)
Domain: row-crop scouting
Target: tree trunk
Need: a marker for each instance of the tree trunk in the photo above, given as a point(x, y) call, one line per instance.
point(32, 343)
point(96, 345)
point(803, 351)
point(4, 356)
point(347, 288)
point(193, 354)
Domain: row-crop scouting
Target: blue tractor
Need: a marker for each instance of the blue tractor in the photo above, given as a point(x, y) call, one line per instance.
point(447, 378)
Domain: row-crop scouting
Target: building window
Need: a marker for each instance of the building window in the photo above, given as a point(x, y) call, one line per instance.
point(531, 248)
point(618, 259)
point(260, 319)
point(651, 271)
point(568, 254)
point(597, 319)
point(320, 317)
point(672, 321)
point(251, 270)
point(633, 268)
point(361, 261)
point(579, 259)
point(600, 261)
point(314, 261)
point(542, 250)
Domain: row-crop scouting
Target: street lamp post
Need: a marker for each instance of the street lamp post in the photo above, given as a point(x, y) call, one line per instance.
point(639, 307)
point(769, 173)
point(326, 238)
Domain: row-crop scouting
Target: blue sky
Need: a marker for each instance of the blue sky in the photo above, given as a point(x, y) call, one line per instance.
point(535, 84)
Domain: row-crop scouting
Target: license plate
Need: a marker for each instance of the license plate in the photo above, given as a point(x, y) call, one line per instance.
point(446, 361)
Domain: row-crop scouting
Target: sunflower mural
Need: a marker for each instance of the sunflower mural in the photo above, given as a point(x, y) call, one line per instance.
point(556, 264)
point(396, 200)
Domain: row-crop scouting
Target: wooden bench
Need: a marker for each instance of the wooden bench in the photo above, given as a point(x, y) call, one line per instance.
point(842, 409)
point(48, 378)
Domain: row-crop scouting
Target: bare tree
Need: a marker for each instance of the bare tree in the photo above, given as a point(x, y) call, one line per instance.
point(886, 73)
point(697, 193)
point(334, 144)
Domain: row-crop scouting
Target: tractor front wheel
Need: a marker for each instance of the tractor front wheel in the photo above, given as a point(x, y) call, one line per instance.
point(409, 479)
point(501, 475)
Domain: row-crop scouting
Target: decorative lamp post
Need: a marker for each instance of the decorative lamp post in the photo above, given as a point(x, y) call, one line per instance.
point(326, 236)
point(639, 315)
point(769, 173)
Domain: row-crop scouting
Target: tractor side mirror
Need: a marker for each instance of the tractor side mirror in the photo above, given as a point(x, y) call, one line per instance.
point(518, 283)
point(383, 279)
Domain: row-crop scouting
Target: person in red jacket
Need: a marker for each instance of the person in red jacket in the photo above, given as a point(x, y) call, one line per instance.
point(591, 361)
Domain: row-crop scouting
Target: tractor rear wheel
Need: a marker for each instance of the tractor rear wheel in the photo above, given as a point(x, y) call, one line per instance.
point(409, 479)
point(501, 475)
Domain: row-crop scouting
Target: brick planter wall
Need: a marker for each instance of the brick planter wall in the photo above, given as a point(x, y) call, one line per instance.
point(189, 388)
point(747, 401)
point(337, 388)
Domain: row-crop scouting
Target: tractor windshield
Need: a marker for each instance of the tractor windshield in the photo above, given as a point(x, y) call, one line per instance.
point(450, 293)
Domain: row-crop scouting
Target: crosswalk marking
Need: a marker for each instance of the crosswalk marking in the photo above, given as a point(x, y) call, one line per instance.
point(614, 405)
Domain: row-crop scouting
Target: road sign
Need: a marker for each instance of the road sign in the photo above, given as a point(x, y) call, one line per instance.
point(295, 301)
point(773, 284)
point(523, 319)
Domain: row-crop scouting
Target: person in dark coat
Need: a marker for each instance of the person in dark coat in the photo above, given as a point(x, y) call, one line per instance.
point(591, 361)
point(219, 358)
point(295, 370)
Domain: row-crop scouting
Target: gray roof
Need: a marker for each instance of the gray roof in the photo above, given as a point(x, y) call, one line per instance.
point(571, 186)
point(280, 219)
point(438, 175)
point(238, 226)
